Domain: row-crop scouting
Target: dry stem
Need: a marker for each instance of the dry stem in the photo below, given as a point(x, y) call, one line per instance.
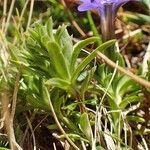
point(134, 77)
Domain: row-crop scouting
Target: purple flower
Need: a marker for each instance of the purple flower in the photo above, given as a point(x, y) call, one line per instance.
point(107, 9)
point(101, 4)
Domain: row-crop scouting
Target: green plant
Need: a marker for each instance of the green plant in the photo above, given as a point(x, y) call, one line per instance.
point(63, 87)
point(49, 61)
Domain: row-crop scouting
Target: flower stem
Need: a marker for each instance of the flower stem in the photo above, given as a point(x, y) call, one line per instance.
point(107, 23)
point(108, 28)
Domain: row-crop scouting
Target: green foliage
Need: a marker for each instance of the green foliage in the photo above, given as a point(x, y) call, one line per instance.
point(85, 93)
point(86, 127)
point(3, 143)
point(2, 148)
point(49, 60)
point(146, 2)
point(51, 54)
point(137, 18)
point(121, 94)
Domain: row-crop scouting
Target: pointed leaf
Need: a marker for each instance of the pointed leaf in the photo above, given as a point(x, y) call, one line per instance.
point(57, 82)
point(57, 60)
point(78, 47)
point(86, 127)
point(128, 101)
point(89, 58)
point(136, 119)
point(49, 27)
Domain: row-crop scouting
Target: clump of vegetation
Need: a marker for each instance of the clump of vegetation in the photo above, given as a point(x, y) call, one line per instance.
point(65, 84)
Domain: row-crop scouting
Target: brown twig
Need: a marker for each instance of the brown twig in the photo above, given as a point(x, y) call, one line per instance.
point(9, 116)
point(145, 59)
point(27, 128)
point(30, 14)
point(8, 126)
point(9, 15)
point(13, 109)
point(134, 77)
point(32, 132)
point(72, 19)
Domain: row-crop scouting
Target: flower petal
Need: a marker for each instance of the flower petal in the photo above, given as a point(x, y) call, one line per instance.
point(121, 3)
point(86, 6)
point(86, 1)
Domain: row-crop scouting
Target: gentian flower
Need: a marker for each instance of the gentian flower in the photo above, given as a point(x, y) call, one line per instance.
point(107, 10)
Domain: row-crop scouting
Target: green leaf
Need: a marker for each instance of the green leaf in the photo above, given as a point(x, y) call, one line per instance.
point(35, 48)
point(3, 148)
point(34, 34)
point(128, 101)
point(89, 58)
point(77, 49)
point(86, 127)
point(117, 87)
point(65, 41)
point(57, 106)
point(52, 127)
point(59, 33)
point(37, 102)
point(40, 70)
point(135, 119)
point(88, 77)
point(58, 61)
point(67, 46)
point(106, 81)
point(71, 106)
point(40, 29)
point(49, 27)
point(77, 137)
point(57, 82)
point(14, 52)
point(129, 86)
point(146, 2)
point(138, 18)
point(101, 71)
point(99, 148)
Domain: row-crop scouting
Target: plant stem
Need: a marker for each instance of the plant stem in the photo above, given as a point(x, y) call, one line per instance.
point(93, 27)
point(134, 77)
point(30, 14)
point(59, 125)
point(107, 23)
point(9, 15)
